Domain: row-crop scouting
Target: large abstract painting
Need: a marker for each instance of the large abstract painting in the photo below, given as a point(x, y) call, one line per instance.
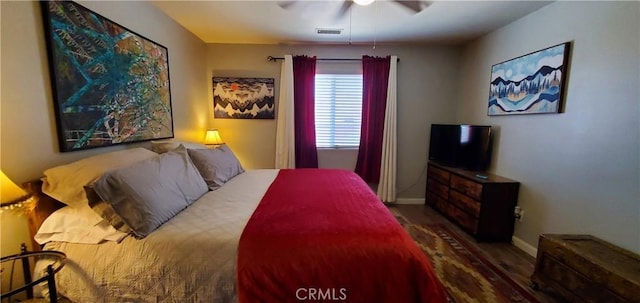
point(243, 98)
point(110, 85)
point(530, 84)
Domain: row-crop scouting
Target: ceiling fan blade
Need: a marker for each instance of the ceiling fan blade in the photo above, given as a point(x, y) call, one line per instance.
point(286, 4)
point(346, 5)
point(415, 5)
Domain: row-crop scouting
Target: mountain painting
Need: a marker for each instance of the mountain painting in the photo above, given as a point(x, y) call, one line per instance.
point(110, 85)
point(530, 84)
point(243, 98)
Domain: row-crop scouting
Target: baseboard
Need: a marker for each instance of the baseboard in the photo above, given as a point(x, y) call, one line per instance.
point(524, 246)
point(415, 201)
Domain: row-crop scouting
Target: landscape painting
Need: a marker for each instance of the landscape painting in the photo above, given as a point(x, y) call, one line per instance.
point(243, 98)
point(110, 85)
point(530, 84)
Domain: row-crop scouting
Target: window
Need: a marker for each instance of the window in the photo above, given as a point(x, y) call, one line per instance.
point(338, 110)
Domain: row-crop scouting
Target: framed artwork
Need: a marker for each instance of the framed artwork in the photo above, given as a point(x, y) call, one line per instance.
point(530, 84)
point(243, 98)
point(110, 85)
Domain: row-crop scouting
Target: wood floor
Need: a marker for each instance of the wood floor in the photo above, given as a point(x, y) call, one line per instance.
point(518, 264)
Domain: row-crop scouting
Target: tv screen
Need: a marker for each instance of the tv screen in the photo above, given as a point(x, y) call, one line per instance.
point(461, 145)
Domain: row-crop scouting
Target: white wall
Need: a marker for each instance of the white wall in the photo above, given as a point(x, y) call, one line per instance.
point(579, 170)
point(426, 94)
point(28, 140)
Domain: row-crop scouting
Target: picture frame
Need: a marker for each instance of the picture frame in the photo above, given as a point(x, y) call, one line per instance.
point(530, 84)
point(110, 85)
point(243, 98)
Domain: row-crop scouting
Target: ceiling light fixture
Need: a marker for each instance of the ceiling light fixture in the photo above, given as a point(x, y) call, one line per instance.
point(363, 2)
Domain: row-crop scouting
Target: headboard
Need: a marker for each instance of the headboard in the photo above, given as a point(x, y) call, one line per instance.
point(44, 206)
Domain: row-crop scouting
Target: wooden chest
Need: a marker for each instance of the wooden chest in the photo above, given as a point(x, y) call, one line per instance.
point(583, 268)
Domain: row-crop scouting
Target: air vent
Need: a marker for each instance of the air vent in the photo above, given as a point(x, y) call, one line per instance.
point(328, 31)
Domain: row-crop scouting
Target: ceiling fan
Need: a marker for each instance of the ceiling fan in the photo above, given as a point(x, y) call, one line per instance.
point(415, 6)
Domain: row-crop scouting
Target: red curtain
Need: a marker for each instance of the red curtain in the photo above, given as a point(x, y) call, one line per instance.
point(304, 83)
point(375, 77)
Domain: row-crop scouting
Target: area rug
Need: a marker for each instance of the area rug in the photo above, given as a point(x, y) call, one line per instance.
point(465, 273)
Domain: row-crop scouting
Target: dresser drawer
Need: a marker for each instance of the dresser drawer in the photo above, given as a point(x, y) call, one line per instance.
point(436, 202)
point(439, 174)
point(464, 202)
point(442, 205)
point(467, 187)
point(465, 220)
point(438, 188)
point(433, 199)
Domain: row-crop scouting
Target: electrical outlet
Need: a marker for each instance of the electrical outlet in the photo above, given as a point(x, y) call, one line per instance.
point(518, 213)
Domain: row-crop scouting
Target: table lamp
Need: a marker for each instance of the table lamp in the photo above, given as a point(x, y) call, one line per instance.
point(11, 195)
point(213, 138)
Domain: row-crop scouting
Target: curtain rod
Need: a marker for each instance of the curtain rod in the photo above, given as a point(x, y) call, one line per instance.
point(274, 59)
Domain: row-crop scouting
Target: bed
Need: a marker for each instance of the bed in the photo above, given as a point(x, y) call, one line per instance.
point(260, 236)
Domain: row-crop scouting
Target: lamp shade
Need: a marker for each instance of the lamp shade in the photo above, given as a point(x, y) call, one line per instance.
point(212, 137)
point(10, 193)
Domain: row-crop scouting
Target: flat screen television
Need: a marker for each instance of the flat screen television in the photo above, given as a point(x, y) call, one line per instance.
point(461, 146)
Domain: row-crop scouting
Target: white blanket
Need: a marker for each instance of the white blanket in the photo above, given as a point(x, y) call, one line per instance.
point(190, 258)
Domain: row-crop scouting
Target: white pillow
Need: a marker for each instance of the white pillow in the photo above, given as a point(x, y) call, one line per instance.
point(169, 145)
point(77, 225)
point(66, 183)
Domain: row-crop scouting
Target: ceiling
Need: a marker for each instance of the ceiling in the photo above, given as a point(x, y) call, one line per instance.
point(384, 21)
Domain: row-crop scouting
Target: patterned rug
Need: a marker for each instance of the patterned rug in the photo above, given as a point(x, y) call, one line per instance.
point(465, 273)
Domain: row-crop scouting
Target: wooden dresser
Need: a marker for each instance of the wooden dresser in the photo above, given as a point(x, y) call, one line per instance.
point(482, 207)
point(585, 269)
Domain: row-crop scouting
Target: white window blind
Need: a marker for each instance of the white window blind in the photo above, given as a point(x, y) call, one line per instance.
point(338, 110)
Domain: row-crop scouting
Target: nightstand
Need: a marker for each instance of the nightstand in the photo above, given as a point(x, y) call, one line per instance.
point(22, 260)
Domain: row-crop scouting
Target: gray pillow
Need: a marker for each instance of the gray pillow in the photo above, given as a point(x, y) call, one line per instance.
point(105, 210)
point(217, 165)
point(164, 146)
point(149, 193)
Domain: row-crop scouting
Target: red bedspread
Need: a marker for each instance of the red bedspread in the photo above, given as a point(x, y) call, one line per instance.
point(322, 235)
